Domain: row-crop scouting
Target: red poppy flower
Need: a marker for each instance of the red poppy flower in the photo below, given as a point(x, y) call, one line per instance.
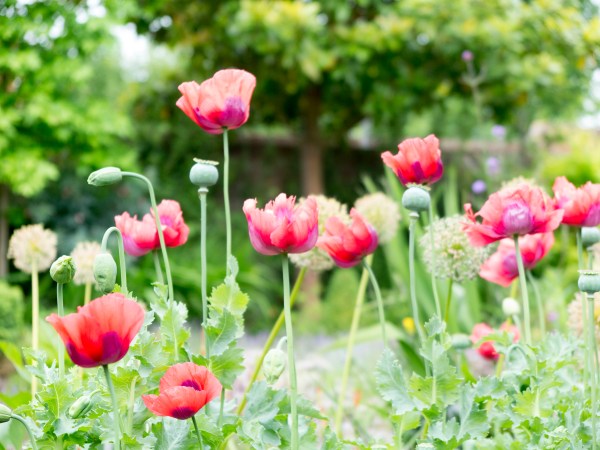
point(515, 210)
point(487, 349)
point(174, 229)
point(418, 161)
point(220, 102)
point(581, 205)
point(139, 236)
point(348, 244)
point(100, 332)
point(501, 268)
point(184, 390)
point(282, 227)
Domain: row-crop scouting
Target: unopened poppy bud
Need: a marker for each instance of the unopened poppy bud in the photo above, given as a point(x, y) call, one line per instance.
point(105, 272)
point(63, 270)
point(274, 365)
point(590, 236)
point(105, 176)
point(460, 341)
point(5, 413)
point(416, 199)
point(589, 281)
point(81, 406)
point(510, 307)
point(204, 173)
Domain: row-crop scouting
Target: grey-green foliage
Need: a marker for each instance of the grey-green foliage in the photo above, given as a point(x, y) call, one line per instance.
point(11, 312)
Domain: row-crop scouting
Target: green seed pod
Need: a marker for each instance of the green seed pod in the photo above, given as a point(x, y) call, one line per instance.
point(105, 176)
point(5, 413)
point(511, 307)
point(416, 199)
point(63, 270)
point(81, 406)
point(105, 272)
point(460, 341)
point(274, 365)
point(204, 173)
point(590, 236)
point(589, 281)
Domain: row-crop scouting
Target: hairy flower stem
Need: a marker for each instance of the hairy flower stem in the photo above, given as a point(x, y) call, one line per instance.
point(202, 195)
point(35, 318)
point(157, 267)
point(287, 308)
point(61, 348)
point(161, 236)
point(539, 304)
point(122, 264)
point(448, 300)
point(375, 285)
point(113, 397)
point(411, 268)
point(438, 309)
point(524, 294)
point(592, 348)
point(198, 435)
point(29, 432)
point(584, 309)
point(272, 336)
point(226, 194)
point(360, 297)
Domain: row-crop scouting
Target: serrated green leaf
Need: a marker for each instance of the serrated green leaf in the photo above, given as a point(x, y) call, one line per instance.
point(229, 297)
point(173, 434)
point(221, 331)
point(391, 384)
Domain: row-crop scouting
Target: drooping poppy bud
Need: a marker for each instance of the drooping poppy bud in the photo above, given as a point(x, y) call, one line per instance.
point(62, 270)
point(105, 272)
point(5, 413)
point(274, 364)
point(105, 176)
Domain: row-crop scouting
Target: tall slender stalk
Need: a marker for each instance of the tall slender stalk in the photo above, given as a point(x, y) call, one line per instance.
point(411, 268)
point(436, 296)
point(272, 335)
point(375, 285)
point(157, 267)
point(539, 304)
point(202, 194)
point(592, 348)
point(35, 318)
point(448, 300)
point(61, 348)
point(360, 297)
point(122, 263)
point(226, 194)
point(29, 432)
point(198, 435)
point(113, 397)
point(524, 293)
point(287, 308)
point(87, 293)
point(587, 370)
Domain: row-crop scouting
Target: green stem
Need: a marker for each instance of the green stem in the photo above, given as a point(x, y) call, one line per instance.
point(433, 256)
point(131, 405)
point(411, 268)
point(161, 236)
point(524, 294)
point(122, 263)
point(157, 268)
point(226, 194)
point(375, 285)
point(448, 300)
point(272, 336)
point(221, 408)
point(592, 366)
point(287, 308)
point(35, 318)
point(113, 397)
point(360, 297)
point(584, 309)
point(29, 432)
point(202, 194)
point(200, 441)
point(61, 348)
point(87, 294)
point(539, 304)
point(580, 262)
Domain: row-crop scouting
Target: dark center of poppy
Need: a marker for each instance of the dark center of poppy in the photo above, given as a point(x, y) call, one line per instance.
point(182, 413)
point(192, 384)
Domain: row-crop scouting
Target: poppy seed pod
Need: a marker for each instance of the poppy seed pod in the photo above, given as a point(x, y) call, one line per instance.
point(5, 413)
point(274, 365)
point(63, 269)
point(105, 176)
point(460, 341)
point(590, 236)
point(105, 272)
point(589, 281)
point(204, 173)
point(416, 199)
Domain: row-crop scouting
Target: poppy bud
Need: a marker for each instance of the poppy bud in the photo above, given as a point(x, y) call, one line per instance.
point(589, 281)
point(460, 341)
point(589, 236)
point(63, 270)
point(416, 199)
point(105, 272)
point(81, 406)
point(105, 176)
point(204, 173)
point(510, 307)
point(5, 413)
point(274, 365)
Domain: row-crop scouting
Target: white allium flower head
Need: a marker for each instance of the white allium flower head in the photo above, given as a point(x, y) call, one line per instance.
point(83, 256)
point(455, 257)
point(575, 319)
point(317, 259)
point(382, 212)
point(32, 245)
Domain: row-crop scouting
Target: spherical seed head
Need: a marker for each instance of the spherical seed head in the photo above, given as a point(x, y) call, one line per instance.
point(589, 281)
point(416, 199)
point(382, 213)
point(83, 256)
point(32, 246)
point(105, 176)
point(63, 270)
point(204, 174)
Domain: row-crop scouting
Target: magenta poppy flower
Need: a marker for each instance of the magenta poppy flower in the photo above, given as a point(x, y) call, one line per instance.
point(418, 161)
point(174, 227)
point(581, 205)
point(139, 236)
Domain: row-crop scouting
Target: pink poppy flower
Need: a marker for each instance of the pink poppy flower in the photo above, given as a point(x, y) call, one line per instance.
point(139, 236)
point(348, 244)
point(487, 349)
point(221, 102)
point(501, 267)
point(282, 227)
point(581, 205)
point(519, 210)
point(418, 161)
point(174, 228)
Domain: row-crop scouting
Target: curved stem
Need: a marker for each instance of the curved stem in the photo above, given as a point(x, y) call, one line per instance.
point(593, 375)
point(198, 435)
point(61, 348)
point(360, 297)
point(35, 318)
point(539, 304)
point(202, 194)
point(287, 308)
point(113, 397)
point(432, 273)
point(524, 293)
point(375, 285)
point(272, 335)
point(29, 432)
point(161, 236)
point(122, 264)
point(411, 269)
point(157, 268)
point(448, 300)
point(226, 194)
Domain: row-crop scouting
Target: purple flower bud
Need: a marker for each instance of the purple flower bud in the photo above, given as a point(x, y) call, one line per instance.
point(467, 55)
point(478, 187)
point(493, 165)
